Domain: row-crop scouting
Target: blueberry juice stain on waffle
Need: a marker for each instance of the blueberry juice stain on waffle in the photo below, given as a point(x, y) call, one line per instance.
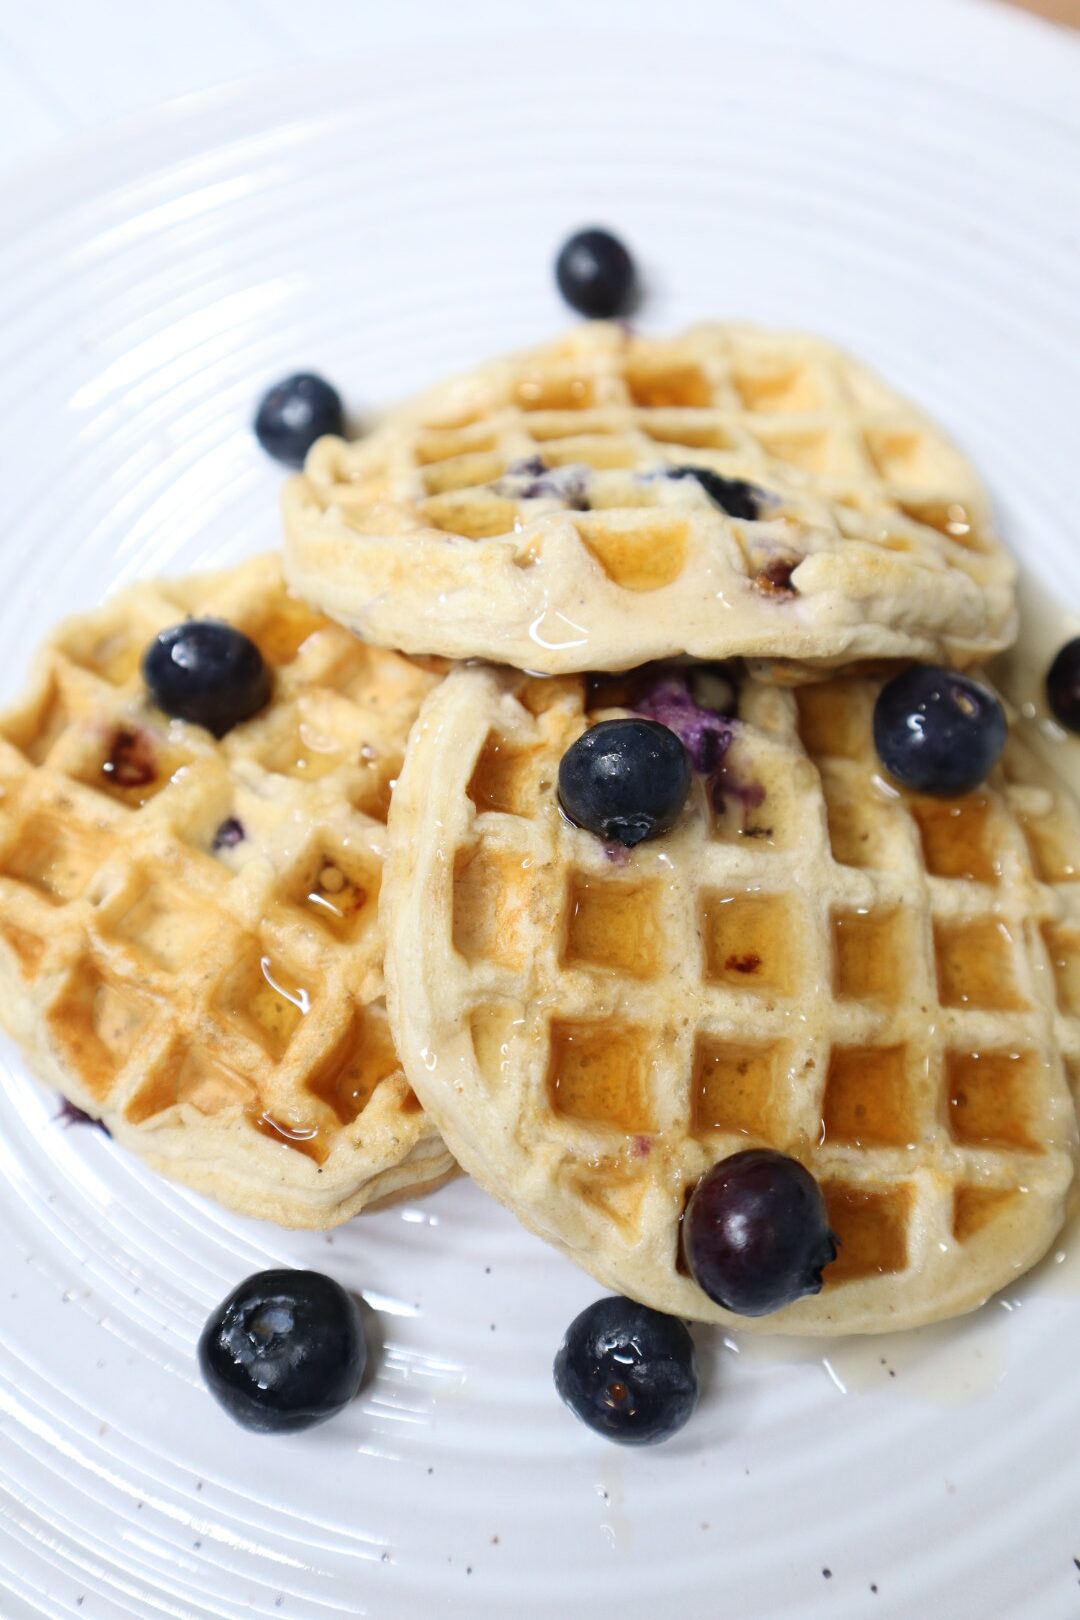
point(596, 797)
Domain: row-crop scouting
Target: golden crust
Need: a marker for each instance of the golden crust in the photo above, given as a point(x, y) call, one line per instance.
point(524, 513)
point(886, 987)
point(189, 940)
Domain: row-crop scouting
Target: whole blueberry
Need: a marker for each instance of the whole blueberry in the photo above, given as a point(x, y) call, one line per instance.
point(756, 1233)
point(206, 671)
point(625, 780)
point(596, 274)
point(937, 731)
point(296, 412)
point(628, 1371)
point(284, 1351)
point(1063, 685)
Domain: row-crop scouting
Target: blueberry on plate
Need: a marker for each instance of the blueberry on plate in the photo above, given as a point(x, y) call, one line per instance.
point(937, 731)
point(596, 274)
point(756, 1232)
point(284, 1351)
point(628, 1371)
point(206, 671)
point(1063, 685)
point(735, 496)
point(296, 412)
point(625, 780)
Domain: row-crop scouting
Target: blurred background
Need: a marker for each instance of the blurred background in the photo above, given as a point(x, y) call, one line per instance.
point(67, 67)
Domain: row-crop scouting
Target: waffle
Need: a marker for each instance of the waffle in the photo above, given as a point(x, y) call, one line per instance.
point(526, 513)
point(189, 941)
point(885, 986)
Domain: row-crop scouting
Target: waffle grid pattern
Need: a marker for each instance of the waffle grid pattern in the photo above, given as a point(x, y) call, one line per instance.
point(551, 464)
point(188, 928)
point(882, 985)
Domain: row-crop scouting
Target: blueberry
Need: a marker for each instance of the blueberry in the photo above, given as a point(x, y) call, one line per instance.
point(625, 780)
point(1063, 685)
point(229, 834)
point(704, 732)
point(628, 1371)
point(937, 731)
point(756, 1233)
point(735, 496)
point(296, 412)
point(596, 274)
point(206, 671)
point(71, 1114)
point(284, 1351)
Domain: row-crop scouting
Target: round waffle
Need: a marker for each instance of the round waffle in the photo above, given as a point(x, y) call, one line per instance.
point(539, 512)
point(189, 942)
point(885, 986)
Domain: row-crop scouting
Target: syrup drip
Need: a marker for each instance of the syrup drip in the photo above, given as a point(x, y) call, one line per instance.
point(131, 761)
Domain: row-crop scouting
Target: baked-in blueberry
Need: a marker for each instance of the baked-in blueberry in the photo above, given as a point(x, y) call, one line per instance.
point(756, 1233)
point(596, 274)
point(296, 412)
point(628, 1371)
point(285, 1350)
point(625, 780)
point(937, 731)
point(665, 695)
point(1063, 685)
point(206, 671)
point(735, 496)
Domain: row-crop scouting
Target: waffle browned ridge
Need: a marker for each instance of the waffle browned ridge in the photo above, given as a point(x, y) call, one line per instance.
point(527, 513)
point(884, 985)
point(189, 937)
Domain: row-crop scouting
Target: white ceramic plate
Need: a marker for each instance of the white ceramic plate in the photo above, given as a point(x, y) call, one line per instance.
point(385, 222)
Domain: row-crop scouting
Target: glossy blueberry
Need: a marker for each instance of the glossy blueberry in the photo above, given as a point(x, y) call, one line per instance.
point(596, 274)
point(284, 1351)
point(625, 780)
point(756, 1233)
point(937, 731)
point(208, 672)
point(735, 496)
point(1063, 685)
point(628, 1371)
point(296, 412)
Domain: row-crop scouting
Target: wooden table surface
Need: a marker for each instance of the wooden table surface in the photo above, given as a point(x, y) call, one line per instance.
point(1064, 11)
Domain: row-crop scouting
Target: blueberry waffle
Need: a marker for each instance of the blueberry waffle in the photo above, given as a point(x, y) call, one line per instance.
point(610, 499)
point(881, 985)
point(189, 937)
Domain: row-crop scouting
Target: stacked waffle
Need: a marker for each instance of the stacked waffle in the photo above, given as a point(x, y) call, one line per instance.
point(290, 986)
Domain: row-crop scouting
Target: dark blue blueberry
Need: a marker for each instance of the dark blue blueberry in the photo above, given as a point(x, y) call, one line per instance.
point(296, 412)
point(1063, 685)
point(284, 1351)
point(628, 1371)
point(756, 1232)
point(625, 780)
point(208, 672)
point(937, 731)
point(596, 274)
point(735, 496)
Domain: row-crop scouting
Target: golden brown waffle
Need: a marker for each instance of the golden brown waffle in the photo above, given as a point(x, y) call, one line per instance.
point(883, 985)
point(189, 943)
point(526, 513)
